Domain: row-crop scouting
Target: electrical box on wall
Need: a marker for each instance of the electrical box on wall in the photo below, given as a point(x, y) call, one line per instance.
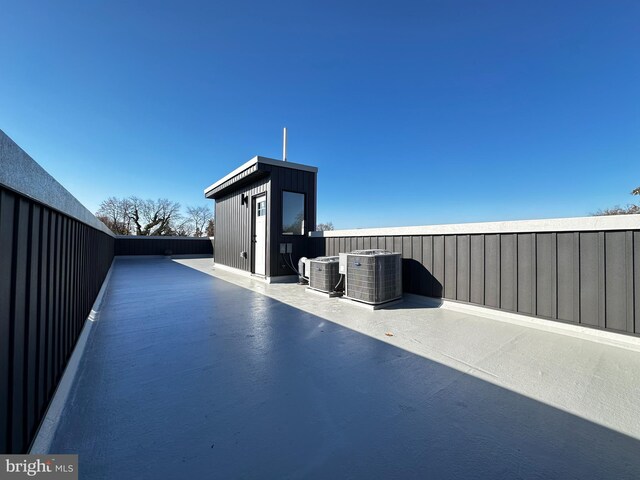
point(342, 268)
point(286, 248)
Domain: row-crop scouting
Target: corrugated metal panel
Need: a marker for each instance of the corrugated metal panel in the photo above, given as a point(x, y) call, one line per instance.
point(567, 276)
point(492, 270)
point(546, 275)
point(508, 272)
point(525, 284)
point(616, 280)
point(51, 268)
point(438, 265)
point(589, 278)
point(476, 269)
point(6, 280)
point(636, 279)
point(416, 268)
point(429, 286)
point(629, 286)
point(406, 250)
point(450, 267)
point(463, 268)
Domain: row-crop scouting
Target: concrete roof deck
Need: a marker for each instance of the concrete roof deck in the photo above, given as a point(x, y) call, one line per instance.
point(192, 372)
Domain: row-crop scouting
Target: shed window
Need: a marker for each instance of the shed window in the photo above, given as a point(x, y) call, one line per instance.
point(292, 213)
point(262, 208)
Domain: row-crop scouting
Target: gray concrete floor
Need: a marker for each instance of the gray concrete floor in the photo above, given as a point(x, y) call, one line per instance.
point(198, 373)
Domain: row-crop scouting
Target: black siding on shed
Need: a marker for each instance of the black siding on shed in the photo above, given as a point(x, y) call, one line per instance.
point(299, 181)
point(233, 226)
point(234, 219)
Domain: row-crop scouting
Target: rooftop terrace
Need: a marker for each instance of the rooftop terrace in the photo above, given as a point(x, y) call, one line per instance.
point(190, 371)
point(524, 363)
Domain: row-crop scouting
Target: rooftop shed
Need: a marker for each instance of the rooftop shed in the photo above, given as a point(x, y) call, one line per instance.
point(264, 211)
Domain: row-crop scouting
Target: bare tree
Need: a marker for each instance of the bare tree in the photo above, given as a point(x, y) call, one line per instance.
point(323, 227)
point(198, 217)
point(211, 227)
point(618, 210)
point(154, 217)
point(183, 229)
point(134, 215)
point(114, 213)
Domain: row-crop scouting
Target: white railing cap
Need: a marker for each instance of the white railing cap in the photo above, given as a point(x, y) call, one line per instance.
point(572, 224)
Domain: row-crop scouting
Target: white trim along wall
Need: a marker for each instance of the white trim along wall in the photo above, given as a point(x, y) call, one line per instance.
point(572, 224)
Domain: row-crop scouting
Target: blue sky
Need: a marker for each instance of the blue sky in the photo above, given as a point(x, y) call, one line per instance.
point(415, 112)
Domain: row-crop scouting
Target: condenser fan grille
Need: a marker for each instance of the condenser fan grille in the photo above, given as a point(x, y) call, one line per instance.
point(323, 274)
point(374, 276)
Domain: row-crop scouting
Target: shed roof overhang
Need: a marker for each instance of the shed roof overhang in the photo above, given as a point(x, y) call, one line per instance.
point(249, 172)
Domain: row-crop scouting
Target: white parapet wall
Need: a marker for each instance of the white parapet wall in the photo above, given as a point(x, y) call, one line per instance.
point(571, 224)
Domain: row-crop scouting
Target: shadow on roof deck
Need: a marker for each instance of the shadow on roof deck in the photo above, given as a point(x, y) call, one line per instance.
point(188, 376)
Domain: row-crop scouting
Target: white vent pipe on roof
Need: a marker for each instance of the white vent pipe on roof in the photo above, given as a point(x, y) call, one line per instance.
point(284, 144)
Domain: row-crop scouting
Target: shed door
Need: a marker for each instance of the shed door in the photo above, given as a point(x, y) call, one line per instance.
point(260, 234)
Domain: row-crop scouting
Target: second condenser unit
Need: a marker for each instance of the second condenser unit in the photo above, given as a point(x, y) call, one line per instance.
point(323, 274)
point(372, 276)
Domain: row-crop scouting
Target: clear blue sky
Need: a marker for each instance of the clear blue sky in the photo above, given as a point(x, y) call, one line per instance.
point(415, 112)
